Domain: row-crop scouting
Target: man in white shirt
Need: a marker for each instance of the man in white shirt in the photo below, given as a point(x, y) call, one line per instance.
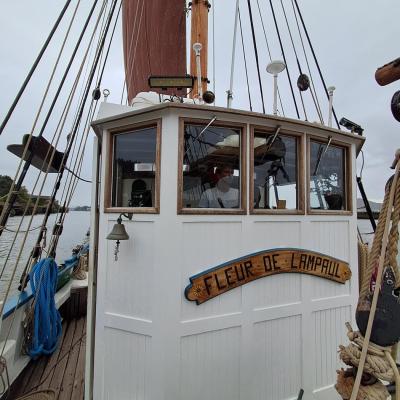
point(222, 195)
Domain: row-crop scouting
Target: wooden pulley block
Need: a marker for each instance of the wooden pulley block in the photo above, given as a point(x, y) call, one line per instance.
point(386, 326)
point(388, 73)
point(395, 105)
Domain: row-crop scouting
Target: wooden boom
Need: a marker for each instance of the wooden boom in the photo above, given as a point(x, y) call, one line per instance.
point(388, 73)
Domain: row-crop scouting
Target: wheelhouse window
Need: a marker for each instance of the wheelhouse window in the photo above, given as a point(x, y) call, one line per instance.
point(328, 184)
point(135, 168)
point(211, 168)
point(275, 172)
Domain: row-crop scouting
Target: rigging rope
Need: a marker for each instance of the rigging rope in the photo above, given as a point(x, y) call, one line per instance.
point(213, 44)
point(50, 205)
point(297, 58)
point(284, 58)
point(33, 68)
point(25, 150)
point(123, 91)
point(256, 55)
point(74, 181)
point(78, 119)
point(312, 86)
point(40, 171)
point(230, 93)
point(269, 52)
point(7, 207)
point(76, 124)
point(245, 62)
point(4, 216)
point(77, 168)
point(137, 40)
point(315, 59)
point(100, 73)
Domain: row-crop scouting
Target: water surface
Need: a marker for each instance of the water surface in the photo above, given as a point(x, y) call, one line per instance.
point(76, 225)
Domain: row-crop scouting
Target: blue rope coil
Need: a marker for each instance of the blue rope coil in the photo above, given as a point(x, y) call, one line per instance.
point(47, 327)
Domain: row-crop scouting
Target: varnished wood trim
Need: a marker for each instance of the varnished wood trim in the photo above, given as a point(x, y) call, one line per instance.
point(300, 172)
point(134, 210)
point(109, 167)
point(347, 174)
point(302, 125)
point(243, 175)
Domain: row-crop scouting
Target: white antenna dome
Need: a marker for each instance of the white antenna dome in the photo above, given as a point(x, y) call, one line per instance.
point(276, 67)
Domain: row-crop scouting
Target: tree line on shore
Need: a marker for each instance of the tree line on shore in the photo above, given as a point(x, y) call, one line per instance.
point(24, 199)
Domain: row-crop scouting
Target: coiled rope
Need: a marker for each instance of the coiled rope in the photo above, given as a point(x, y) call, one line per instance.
point(378, 362)
point(47, 327)
point(367, 356)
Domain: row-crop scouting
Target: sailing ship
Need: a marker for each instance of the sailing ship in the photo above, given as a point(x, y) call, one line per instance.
point(223, 245)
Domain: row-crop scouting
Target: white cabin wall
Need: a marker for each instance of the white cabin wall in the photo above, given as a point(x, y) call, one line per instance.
point(263, 340)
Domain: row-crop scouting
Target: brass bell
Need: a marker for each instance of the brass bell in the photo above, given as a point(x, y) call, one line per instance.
point(118, 231)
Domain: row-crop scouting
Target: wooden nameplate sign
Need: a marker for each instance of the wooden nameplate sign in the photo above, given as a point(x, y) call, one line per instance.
point(215, 281)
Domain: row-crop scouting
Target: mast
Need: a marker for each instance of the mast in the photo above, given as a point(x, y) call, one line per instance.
point(199, 34)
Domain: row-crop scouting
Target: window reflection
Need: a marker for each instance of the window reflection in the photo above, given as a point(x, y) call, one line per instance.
point(211, 167)
point(327, 177)
point(275, 171)
point(134, 168)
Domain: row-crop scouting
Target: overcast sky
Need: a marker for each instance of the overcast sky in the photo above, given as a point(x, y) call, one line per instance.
point(351, 39)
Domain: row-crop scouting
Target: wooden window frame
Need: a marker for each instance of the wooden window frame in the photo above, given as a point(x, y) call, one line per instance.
point(348, 201)
point(243, 171)
point(108, 208)
point(300, 172)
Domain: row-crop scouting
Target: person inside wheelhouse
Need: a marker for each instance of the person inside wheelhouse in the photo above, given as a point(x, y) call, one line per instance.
point(222, 195)
point(211, 170)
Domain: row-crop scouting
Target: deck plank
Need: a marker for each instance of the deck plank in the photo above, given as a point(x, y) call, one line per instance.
point(58, 375)
point(39, 367)
point(50, 367)
point(28, 379)
point(69, 374)
point(63, 371)
point(78, 390)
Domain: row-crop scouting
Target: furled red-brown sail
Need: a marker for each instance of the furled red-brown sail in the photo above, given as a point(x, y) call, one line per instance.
point(154, 33)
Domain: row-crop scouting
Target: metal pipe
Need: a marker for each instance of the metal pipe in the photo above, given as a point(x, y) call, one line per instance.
point(275, 107)
point(197, 48)
point(331, 89)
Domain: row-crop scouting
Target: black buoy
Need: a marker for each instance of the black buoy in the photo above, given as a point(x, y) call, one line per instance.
point(96, 94)
point(395, 105)
point(303, 82)
point(208, 97)
point(386, 327)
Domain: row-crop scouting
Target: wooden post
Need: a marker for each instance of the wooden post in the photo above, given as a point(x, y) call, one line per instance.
point(199, 35)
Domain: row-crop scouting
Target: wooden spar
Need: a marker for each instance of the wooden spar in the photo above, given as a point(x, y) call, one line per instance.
point(199, 34)
point(388, 73)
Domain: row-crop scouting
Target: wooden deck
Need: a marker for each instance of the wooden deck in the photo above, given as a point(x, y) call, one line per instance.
point(63, 371)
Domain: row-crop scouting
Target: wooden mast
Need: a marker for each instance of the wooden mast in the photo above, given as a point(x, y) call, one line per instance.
point(199, 34)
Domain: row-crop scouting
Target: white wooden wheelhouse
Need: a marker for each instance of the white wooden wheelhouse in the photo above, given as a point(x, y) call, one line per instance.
point(263, 340)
